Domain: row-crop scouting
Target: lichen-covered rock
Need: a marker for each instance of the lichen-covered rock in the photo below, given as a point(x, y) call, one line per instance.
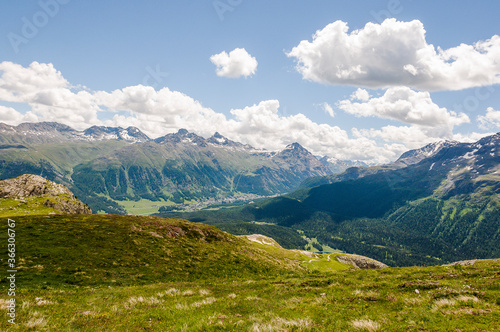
point(57, 196)
point(30, 185)
point(360, 262)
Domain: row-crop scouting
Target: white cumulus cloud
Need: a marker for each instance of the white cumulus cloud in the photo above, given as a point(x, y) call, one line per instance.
point(490, 120)
point(159, 112)
point(405, 105)
point(11, 116)
point(412, 137)
point(236, 64)
point(360, 94)
point(425, 122)
point(48, 93)
point(470, 137)
point(16, 79)
point(262, 126)
point(395, 53)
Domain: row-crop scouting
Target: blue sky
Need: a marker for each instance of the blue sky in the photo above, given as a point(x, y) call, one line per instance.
point(107, 46)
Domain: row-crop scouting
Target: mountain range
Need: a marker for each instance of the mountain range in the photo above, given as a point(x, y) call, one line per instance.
point(106, 165)
point(53, 132)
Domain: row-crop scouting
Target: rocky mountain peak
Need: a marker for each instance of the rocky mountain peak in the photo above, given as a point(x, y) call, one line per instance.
point(131, 134)
point(295, 146)
point(489, 140)
point(182, 136)
point(300, 159)
point(182, 132)
point(218, 140)
point(297, 150)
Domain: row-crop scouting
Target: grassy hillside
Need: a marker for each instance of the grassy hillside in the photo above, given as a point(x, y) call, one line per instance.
point(127, 250)
point(241, 221)
point(30, 205)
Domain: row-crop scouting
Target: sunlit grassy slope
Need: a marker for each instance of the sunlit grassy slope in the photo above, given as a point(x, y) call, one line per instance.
point(31, 205)
point(459, 298)
point(34, 205)
point(127, 250)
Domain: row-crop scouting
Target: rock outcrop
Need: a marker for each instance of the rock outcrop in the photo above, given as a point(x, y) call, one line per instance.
point(360, 262)
point(29, 187)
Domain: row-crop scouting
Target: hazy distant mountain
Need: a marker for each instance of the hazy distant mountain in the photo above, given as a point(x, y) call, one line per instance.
point(184, 166)
point(35, 133)
point(338, 166)
point(53, 132)
point(349, 170)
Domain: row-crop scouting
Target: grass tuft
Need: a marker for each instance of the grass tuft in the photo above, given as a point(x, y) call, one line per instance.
point(35, 321)
point(365, 324)
point(279, 324)
point(204, 292)
point(207, 301)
